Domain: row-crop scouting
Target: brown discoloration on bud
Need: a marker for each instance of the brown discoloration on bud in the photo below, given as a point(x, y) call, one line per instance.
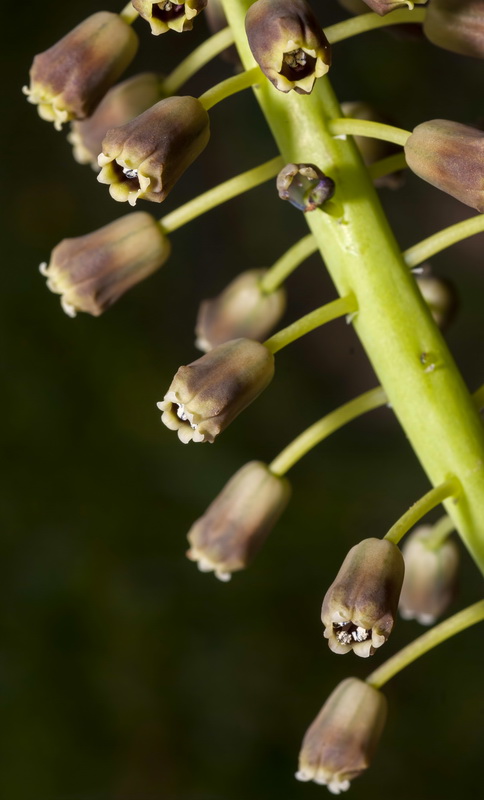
point(456, 25)
point(360, 606)
point(205, 396)
point(450, 156)
point(440, 296)
point(342, 740)
point(288, 43)
point(234, 527)
point(91, 272)
point(69, 80)
point(145, 157)
point(167, 15)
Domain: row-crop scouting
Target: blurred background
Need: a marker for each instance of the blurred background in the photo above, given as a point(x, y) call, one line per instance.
point(125, 674)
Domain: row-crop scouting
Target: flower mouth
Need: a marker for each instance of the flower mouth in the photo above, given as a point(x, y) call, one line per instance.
point(297, 64)
point(349, 633)
point(177, 418)
point(168, 11)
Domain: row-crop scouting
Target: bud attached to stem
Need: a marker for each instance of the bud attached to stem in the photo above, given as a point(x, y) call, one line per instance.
point(169, 16)
point(456, 25)
point(305, 186)
point(440, 296)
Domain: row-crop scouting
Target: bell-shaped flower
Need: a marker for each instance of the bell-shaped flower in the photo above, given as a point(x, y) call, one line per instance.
point(456, 25)
point(167, 15)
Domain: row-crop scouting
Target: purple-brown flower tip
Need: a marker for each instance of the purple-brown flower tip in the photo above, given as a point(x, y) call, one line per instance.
point(205, 396)
point(450, 156)
point(242, 310)
point(383, 7)
point(456, 25)
point(440, 296)
point(288, 43)
point(342, 740)
point(360, 606)
point(235, 526)
point(169, 16)
point(305, 186)
point(91, 272)
point(145, 157)
point(69, 80)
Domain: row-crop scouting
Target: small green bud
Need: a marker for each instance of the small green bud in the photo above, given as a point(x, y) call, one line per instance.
point(305, 186)
point(242, 310)
point(288, 43)
point(205, 396)
point(456, 25)
point(383, 7)
point(69, 80)
point(166, 16)
point(146, 156)
point(440, 296)
point(374, 149)
point(342, 740)
point(235, 526)
point(360, 606)
point(450, 156)
point(91, 272)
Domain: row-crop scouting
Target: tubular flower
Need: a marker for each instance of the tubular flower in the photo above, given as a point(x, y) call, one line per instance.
point(91, 272)
point(205, 396)
point(430, 576)
point(241, 310)
point(383, 7)
point(235, 526)
point(166, 16)
point(288, 43)
point(69, 80)
point(449, 155)
point(146, 156)
point(342, 740)
point(305, 186)
point(360, 606)
point(121, 104)
point(456, 25)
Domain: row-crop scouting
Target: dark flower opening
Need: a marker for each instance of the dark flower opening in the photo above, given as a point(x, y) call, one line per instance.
point(297, 64)
point(168, 11)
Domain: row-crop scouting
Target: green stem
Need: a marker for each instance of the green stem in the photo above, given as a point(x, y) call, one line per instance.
point(446, 490)
point(219, 194)
point(337, 308)
point(229, 86)
point(197, 59)
point(129, 14)
point(440, 633)
point(344, 126)
point(325, 427)
point(385, 166)
point(292, 258)
point(440, 531)
point(439, 241)
point(370, 22)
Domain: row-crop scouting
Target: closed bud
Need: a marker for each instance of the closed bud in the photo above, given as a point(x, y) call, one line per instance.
point(430, 576)
point(205, 396)
point(166, 16)
point(343, 738)
point(374, 149)
point(383, 7)
point(241, 310)
point(360, 606)
point(440, 296)
point(69, 80)
point(235, 526)
point(146, 156)
point(91, 272)
point(305, 186)
point(121, 104)
point(449, 155)
point(456, 25)
point(288, 43)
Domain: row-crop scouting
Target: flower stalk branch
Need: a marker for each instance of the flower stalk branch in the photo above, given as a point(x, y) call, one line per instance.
point(337, 308)
point(197, 58)
point(439, 241)
point(284, 266)
point(237, 83)
point(365, 127)
point(449, 489)
point(370, 22)
point(129, 14)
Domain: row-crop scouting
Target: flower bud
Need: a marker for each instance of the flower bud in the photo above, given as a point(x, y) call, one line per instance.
point(92, 271)
point(121, 104)
point(430, 576)
point(242, 310)
point(69, 80)
point(166, 16)
point(305, 186)
point(342, 740)
point(449, 155)
point(146, 156)
point(383, 7)
point(205, 396)
point(456, 25)
point(235, 526)
point(374, 149)
point(440, 296)
point(288, 43)
point(360, 606)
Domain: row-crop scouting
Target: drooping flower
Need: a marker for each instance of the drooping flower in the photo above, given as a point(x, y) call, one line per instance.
point(456, 25)
point(167, 15)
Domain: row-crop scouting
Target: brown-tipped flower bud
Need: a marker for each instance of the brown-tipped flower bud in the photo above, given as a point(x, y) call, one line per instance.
point(449, 155)
point(305, 186)
point(383, 7)
point(288, 43)
point(360, 606)
point(91, 272)
point(374, 149)
point(121, 104)
point(456, 25)
point(343, 738)
point(205, 396)
point(242, 310)
point(440, 296)
point(69, 80)
point(169, 16)
point(145, 157)
point(235, 526)
point(430, 576)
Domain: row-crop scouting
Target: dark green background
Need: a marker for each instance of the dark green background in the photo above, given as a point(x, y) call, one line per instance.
point(125, 674)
